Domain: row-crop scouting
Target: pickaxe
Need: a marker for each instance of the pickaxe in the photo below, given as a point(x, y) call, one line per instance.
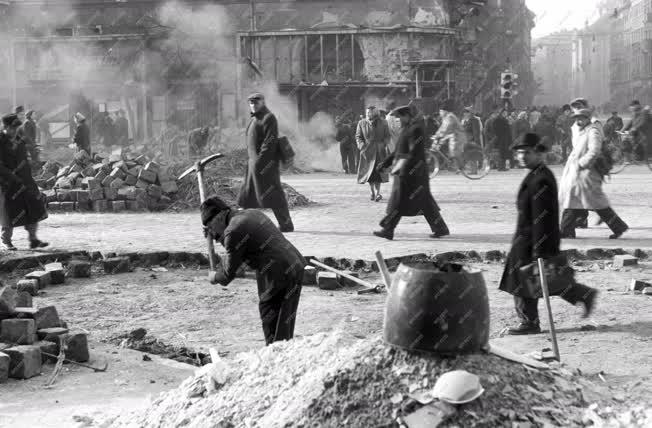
point(199, 167)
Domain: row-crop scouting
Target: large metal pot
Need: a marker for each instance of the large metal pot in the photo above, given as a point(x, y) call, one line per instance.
point(442, 310)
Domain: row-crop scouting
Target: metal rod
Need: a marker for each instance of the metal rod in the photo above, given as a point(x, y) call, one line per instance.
point(382, 266)
point(546, 297)
point(342, 274)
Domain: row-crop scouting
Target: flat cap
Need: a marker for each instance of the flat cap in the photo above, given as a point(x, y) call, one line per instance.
point(11, 120)
point(256, 96)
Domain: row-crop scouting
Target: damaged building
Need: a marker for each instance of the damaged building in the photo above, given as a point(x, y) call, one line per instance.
point(190, 64)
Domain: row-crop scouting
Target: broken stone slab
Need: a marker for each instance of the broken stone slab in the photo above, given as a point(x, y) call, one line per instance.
point(309, 276)
point(115, 265)
point(8, 297)
point(28, 285)
point(5, 362)
point(47, 317)
point(57, 273)
point(51, 334)
point(624, 260)
point(18, 331)
point(637, 285)
point(647, 291)
point(327, 281)
point(76, 345)
point(79, 269)
point(26, 312)
point(42, 276)
point(25, 361)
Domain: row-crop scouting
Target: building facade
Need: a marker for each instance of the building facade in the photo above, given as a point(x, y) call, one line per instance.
point(552, 67)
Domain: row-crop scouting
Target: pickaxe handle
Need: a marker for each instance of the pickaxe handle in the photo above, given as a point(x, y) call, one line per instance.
point(96, 369)
point(209, 239)
point(366, 284)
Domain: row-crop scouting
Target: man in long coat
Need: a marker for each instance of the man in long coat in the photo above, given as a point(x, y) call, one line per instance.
point(250, 237)
point(411, 186)
point(344, 136)
point(198, 140)
point(262, 184)
point(472, 126)
point(28, 133)
point(372, 137)
point(537, 236)
point(581, 181)
point(82, 137)
point(503, 140)
point(20, 199)
point(121, 129)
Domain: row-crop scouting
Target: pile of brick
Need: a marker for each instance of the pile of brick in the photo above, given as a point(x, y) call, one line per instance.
point(116, 183)
point(32, 336)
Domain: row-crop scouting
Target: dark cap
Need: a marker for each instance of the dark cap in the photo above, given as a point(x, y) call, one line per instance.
point(256, 96)
point(212, 207)
point(19, 109)
point(530, 141)
point(579, 103)
point(402, 110)
point(11, 120)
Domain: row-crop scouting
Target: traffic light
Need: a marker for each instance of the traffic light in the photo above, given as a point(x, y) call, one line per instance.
point(506, 85)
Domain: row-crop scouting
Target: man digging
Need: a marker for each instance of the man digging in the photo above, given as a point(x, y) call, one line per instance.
point(250, 237)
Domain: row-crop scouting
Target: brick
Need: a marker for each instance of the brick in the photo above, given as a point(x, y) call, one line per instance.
point(327, 280)
point(624, 260)
point(309, 276)
point(64, 195)
point(28, 285)
point(67, 206)
point(141, 160)
point(63, 183)
point(23, 299)
point(47, 347)
point(25, 361)
point(96, 194)
point(42, 276)
point(118, 206)
point(81, 195)
point(135, 170)
point(131, 180)
point(169, 187)
point(100, 206)
point(110, 194)
point(5, 362)
point(79, 269)
point(84, 206)
point(117, 183)
point(147, 176)
point(153, 167)
point(8, 297)
point(347, 282)
point(107, 181)
point(47, 317)
point(115, 265)
point(118, 173)
point(57, 274)
point(19, 331)
point(154, 191)
point(76, 347)
point(51, 334)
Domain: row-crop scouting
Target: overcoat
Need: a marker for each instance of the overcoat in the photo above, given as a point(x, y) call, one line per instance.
point(21, 203)
point(82, 138)
point(503, 133)
point(537, 227)
point(411, 186)
point(372, 137)
point(451, 130)
point(580, 186)
point(262, 183)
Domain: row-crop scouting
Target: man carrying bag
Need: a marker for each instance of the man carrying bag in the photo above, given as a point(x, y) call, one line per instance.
point(537, 236)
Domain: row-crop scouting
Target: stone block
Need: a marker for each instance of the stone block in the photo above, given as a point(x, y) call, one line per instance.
point(57, 273)
point(67, 207)
point(107, 181)
point(74, 177)
point(82, 158)
point(63, 171)
point(647, 291)
point(48, 347)
point(110, 194)
point(135, 170)
point(79, 269)
point(147, 176)
point(63, 183)
point(141, 160)
point(115, 157)
point(132, 206)
point(115, 265)
point(118, 173)
point(117, 183)
point(118, 206)
point(624, 260)
point(101, 176)
point(121, 165)
point(96, 194)
point(64, 195)
point(23, 299)
point(128, 193)
point(18, 331)
point(327, 281)
point(169, 187)
point(43, 277)
point(637, 285)
point(47, 317)
point(28, 285)
point(153, 167)
point(163, 177)
point(81, 195)
point(25, 361)
point(154, 191)
point(26, 312)
point(309, 276)
point(100, 206)
point(54, 206)
point(91, 183)
point(76, 347)
point(5, 361)
point(50, 195)
point(89, 171)
point(75, 169)
point(131, 180)
point(347, 282)
point(51, 334)
point(141, 184)
point(8, 297)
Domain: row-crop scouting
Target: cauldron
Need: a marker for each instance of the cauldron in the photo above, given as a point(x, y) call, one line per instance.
point(440, 309)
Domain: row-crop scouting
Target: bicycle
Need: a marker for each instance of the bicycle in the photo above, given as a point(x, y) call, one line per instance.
point(473, 162)
point(625, 150)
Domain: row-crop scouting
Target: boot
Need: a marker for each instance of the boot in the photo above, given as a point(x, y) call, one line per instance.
point(385, 233)
point(589, 303)
point(37, 244)
point(9, 247)
point(524, 328)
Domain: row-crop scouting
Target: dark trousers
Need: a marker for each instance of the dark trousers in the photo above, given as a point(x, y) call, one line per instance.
point(8, 233)
point(433, 217)
point(279, 312)
point(607, 215)
point(527, 309)
point(347, 151)
point(283, 218)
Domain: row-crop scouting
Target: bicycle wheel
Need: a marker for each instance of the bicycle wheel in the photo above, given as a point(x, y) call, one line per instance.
point(618, 157)
point(433, 163)
point(475, 164)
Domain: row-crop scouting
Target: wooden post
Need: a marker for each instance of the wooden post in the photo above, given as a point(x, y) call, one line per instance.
point(12, 63)
point(337, 56)
point(352, 56)
point(546, 297)
point(274, 40)
point(143, 88)
point(291, 58)
point(305, 59)
point(418, 81)
point(321, 57)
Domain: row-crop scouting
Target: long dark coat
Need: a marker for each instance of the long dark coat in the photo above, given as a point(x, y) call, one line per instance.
point(537, 228)
point(21, 202)
point(372, 137)
point(82, 138)
point(411, 187)
point(262, 183)
point(503, 133)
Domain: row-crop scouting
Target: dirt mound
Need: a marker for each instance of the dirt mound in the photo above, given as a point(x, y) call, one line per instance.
point(336, 380)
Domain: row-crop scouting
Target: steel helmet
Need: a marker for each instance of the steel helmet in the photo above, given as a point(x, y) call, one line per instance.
point(457, 387)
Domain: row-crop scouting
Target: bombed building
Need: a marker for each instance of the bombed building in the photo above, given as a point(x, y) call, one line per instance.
point(189, 64)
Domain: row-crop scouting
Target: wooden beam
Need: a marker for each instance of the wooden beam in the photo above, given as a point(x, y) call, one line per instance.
point(337, 55)
point(275, 58)
point(291, 58)
point(305, 59)
point(352, 56)
point(321, 56)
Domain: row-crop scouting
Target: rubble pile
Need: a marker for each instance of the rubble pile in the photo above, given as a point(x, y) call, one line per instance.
point(31, 336)
point(337, 380)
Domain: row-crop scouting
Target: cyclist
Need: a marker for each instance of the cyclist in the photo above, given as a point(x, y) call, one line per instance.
point(641, 129)
point(451, 131)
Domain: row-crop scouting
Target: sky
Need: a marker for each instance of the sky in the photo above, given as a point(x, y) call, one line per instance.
point(555, 15)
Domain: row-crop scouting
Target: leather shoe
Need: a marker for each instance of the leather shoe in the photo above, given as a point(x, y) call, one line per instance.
point(387, 234)
point(617, 235)
point(9, 247)
point(287, 229)
point(524, 328)
point(589, 303)
point(438, 235)
point(582, 224)
point(37, 244)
